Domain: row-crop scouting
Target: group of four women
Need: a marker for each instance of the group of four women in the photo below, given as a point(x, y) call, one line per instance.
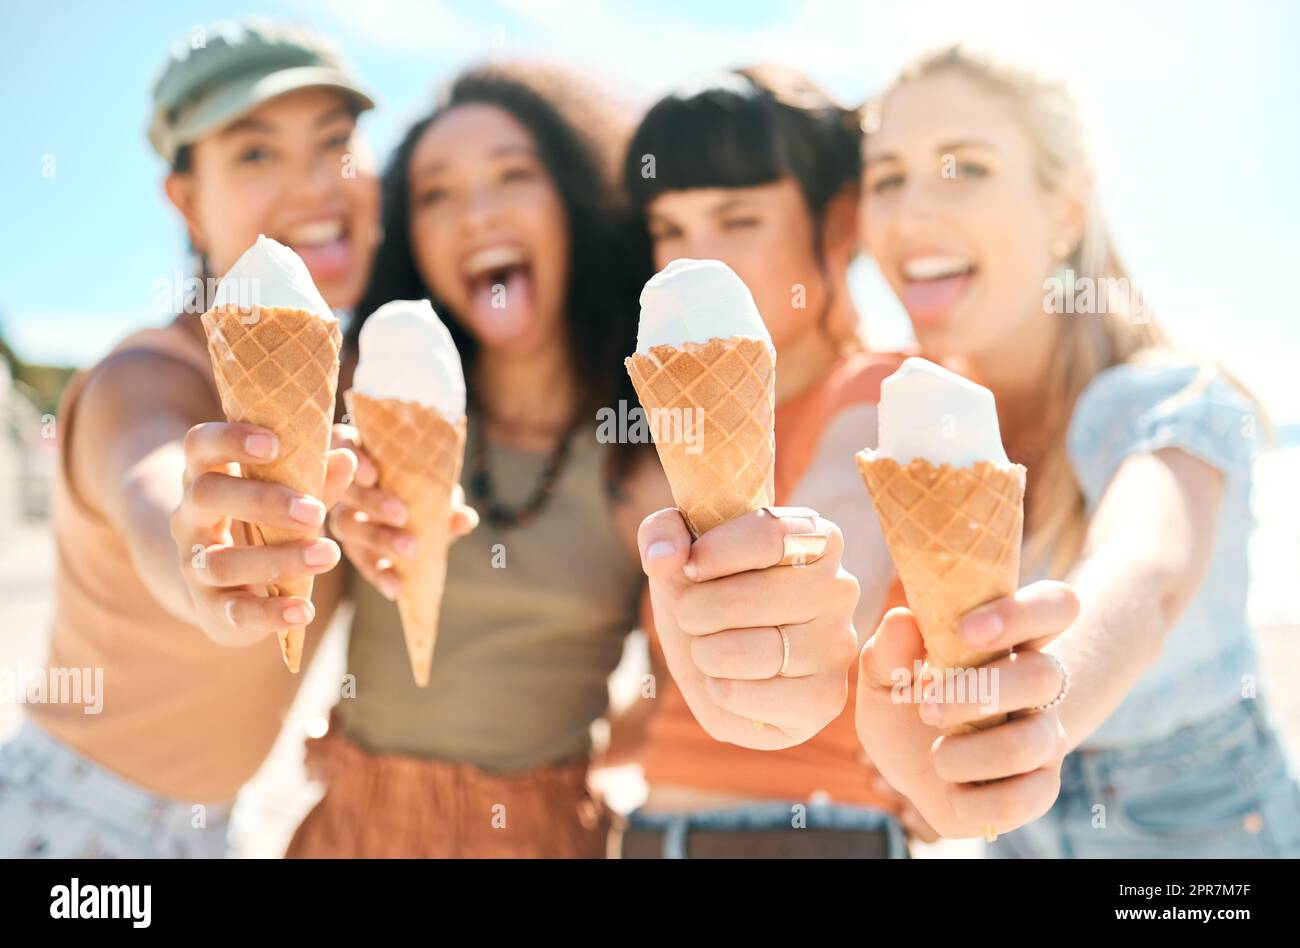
point(1136, 729)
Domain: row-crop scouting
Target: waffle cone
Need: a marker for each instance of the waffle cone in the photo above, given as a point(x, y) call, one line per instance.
point(711, 407)
point(418, 454)
point(954, 535)
point(278, 368)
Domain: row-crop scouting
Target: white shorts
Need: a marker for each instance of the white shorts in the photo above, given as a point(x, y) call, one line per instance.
point(54, 803)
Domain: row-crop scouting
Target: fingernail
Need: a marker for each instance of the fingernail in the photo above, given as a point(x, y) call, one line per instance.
point(320, 553)
point(261, 445)
point(929, 712)
point(405, 546)
point(691, 570)
point(394, 512)
point(307, 510)
point(296, 615)
point(230, 611)
point(660, 549)
point(980, 629)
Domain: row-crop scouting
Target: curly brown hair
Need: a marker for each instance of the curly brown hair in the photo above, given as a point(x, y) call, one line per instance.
point(581, 135)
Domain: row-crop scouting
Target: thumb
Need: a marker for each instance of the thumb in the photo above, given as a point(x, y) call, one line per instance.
point(340, 468)
point(664, 542)
point(896, 645)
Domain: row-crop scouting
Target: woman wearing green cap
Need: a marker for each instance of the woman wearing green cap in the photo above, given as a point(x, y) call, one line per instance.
point(257, 122)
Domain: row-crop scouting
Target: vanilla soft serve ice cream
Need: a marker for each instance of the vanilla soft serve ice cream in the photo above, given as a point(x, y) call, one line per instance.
point(270, 274)
point(695, 301)
point(408, 354)
point(931, 414)
point(408, 403)
point(705, 374)
point(274, 345)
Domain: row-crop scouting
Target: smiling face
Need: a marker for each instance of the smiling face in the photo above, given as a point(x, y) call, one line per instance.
point(489, 228)
point(955, 216)
point(296, 170)
point(763, 233)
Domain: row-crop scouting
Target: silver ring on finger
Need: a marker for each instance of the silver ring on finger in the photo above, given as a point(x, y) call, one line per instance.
point(785, 651)
point(1065, 685)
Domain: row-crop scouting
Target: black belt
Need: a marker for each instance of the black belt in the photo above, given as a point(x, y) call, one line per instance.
point(639, 843)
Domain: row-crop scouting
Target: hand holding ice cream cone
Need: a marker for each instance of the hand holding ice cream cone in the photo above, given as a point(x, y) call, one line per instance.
point(705, 372)
point(274, 345)
point(227, 576)
point(948, 500)
point(751, 605)
point(951, 506)
point(408, 402)
point(760, 650)
point(980, 782)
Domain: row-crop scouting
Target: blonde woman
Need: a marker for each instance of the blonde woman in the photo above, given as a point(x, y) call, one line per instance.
point(979, 209)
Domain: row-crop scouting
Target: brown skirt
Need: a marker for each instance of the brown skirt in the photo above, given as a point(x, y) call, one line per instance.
point(391, 805)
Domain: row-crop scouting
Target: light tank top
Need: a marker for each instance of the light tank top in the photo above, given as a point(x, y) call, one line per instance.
point(181, 716)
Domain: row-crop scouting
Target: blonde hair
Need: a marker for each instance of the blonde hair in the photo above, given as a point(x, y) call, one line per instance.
point(1049, 114)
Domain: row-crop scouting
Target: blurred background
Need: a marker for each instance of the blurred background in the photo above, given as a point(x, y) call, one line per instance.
point(1199, 132)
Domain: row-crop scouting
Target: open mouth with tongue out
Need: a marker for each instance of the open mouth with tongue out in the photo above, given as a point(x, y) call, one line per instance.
point(933, 285)
point(500, 283)
point(325, 246)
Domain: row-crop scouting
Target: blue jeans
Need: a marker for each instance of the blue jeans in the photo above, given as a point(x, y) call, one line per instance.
point(55, 803)
point(770, 816)
point(1220, 788)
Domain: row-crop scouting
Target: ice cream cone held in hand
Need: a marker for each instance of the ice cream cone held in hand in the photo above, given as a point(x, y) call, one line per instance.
point(408, 403)
point(274, 344)
point(949, 501)
point(704, 358)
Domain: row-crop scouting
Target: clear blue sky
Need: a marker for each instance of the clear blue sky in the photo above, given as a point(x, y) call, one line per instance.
point(1196, 101)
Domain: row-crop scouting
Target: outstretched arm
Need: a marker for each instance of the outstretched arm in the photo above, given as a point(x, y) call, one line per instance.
point(1146, 553)
point(126, 459)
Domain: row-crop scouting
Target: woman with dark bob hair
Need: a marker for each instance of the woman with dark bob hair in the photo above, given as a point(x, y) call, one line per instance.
point(759, 168)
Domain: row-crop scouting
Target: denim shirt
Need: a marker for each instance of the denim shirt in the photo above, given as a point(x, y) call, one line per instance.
point(1208, 657)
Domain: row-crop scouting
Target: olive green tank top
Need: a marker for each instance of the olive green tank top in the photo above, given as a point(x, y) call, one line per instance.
point(533, 622)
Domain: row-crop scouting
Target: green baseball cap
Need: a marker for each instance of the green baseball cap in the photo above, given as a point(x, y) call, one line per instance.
point(224, 70)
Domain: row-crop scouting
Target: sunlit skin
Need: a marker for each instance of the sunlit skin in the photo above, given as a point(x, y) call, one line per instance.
point(294, 169)
point(477, 182)
point(950, 173)
point(1150, 538)
point(477, 185)
point(765, 234)
point(297, 170)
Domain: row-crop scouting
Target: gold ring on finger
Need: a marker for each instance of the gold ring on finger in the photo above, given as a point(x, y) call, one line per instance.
point(802, 549)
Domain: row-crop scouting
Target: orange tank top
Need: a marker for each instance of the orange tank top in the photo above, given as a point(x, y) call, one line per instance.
point(181, 716)
point(810, 442)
